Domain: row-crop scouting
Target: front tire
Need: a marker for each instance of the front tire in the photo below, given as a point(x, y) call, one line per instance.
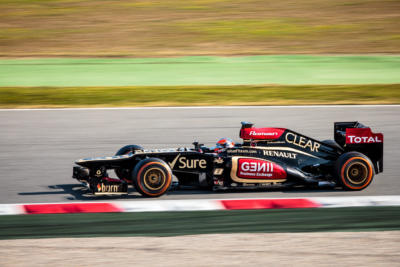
point(152, 177)
point(354, 171)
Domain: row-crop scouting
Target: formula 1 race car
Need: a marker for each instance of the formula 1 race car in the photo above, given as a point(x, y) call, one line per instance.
point(267, 158)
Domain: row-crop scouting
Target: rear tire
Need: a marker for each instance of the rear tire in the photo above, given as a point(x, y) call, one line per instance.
point(354, 171)
point(152, 177)
point(124, 174)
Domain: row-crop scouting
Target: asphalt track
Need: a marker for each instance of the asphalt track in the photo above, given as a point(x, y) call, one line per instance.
point(38, 147)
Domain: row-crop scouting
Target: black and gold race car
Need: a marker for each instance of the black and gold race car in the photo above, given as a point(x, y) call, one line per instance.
point(267, 158)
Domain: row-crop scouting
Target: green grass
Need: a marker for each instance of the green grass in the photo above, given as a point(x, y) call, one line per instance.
point(243, 70)
point(182, 81)
point(22, 97)
point(202, 222)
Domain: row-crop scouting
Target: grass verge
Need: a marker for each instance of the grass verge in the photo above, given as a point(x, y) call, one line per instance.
point(201, 222)
point(59, 97)
point(200, 71)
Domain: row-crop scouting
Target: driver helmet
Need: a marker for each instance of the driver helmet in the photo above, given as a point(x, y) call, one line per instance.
point(224, 143)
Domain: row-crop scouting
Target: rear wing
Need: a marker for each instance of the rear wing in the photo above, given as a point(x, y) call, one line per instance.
point(354, 136)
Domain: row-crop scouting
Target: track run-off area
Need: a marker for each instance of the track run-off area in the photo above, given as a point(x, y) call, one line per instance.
point(39, 146)
point(202, 70)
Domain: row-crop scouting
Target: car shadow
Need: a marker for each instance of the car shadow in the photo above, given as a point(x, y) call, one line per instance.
point(291, 190)
point(78, 192)
point(308, 190)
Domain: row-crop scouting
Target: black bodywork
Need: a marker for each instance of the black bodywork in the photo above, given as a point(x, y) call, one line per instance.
point(268, 157)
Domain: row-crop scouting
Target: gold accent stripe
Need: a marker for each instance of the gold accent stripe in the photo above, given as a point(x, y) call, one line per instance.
point(111, 193)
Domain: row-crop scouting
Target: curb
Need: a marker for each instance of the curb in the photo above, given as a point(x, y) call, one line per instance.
point(199, 205)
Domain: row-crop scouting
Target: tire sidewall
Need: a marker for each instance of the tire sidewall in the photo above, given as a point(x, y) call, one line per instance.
point(139, 172)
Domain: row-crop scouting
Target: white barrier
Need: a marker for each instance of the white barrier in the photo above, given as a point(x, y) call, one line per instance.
point(199, 205)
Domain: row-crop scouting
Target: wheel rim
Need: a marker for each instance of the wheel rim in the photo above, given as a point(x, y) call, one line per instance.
point(357, 173)
point(154, 179)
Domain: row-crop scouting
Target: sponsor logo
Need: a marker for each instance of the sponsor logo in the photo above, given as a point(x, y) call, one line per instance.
point(162, 150)
point(261, 133)
point(302, 142)
point(219, 160)
point(172, 164)
point(363, 139)
point(188, 163)
point(362, 136)
point(254, 133)
point(280, 154)
point(266, 168)
point(218, 171)
point(238, 151)
point(256, 169)
point(192, 163)
point(275, 142)
point(107, 188)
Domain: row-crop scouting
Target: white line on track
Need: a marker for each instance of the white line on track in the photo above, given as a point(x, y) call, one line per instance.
point(202, 107)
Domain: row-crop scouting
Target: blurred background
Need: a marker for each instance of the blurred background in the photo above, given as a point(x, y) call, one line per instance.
point(126, 28)
point(247, 52)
